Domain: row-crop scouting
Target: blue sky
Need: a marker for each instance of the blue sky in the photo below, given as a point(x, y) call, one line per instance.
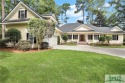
point(70, 13)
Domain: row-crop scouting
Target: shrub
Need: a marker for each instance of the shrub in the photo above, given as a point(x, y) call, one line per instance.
point(108, 38)
point(102, 39)
point(58, 40)
point(65, 37)
point(14, 35)
point(44, 45)
point(23, 45)
point(3, 43)
point(123, 43)
point(124, 40)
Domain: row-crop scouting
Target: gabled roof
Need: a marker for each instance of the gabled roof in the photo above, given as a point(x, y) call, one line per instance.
point(70, 27)
point(21, 3)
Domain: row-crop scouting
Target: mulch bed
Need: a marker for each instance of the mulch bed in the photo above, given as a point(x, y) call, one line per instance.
point(20, 51)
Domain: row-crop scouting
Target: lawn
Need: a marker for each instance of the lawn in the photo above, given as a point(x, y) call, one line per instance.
point(58, 66)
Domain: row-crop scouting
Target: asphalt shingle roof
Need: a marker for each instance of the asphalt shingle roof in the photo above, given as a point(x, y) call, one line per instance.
point(71, 26)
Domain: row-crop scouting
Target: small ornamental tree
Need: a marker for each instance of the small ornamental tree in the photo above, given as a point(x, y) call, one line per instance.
point(41, 29)
point(65, 37)
point(108, 38)
point(0, 33)
point(102, 39)
point(14, 35)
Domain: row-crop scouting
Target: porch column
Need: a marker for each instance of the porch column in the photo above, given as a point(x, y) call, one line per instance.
point(72, 37)
point(93, 38)
point(78, 39)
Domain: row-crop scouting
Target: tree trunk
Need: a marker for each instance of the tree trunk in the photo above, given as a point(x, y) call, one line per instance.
point(83, 14)
point(3, 14)
point(38, 47)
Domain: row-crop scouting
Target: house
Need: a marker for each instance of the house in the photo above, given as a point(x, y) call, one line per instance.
point(86, 33)
point(19, 18)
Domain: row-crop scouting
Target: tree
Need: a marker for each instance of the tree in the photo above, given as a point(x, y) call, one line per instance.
point(88, 5)
point(14, 35)
point(108, 38)
point(102, 39)
point(119, 6)
point(3, 14)
point(40, 29)
point(65, 37)
point(65, 7)
point(100, 19)
point(112, 20)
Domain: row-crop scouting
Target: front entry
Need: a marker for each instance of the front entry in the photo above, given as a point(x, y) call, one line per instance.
point(81, 38)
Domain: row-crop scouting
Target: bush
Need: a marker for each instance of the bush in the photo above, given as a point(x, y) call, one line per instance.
point(44, 45)
point(99, 44)
point(58, 40)
point(65, 37)
point(124, 40)
point(23, 45)
point(102, 39)
point(123, 43)
point(3, 43)
point(108, 38)
point(14, 35)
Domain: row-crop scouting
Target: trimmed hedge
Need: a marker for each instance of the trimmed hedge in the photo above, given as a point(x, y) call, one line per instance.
point(3, 43)
point(104, 44)
point(23, 45)
point(44, 45)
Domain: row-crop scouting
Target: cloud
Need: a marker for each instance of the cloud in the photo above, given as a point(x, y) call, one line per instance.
point(81, 18)
point(71, 12)
point(106, 5)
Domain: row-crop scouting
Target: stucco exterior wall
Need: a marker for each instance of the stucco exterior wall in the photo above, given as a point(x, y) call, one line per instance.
point(21, 27)
point(119, 41)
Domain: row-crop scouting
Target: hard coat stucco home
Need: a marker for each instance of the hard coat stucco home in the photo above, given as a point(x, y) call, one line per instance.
point(86, 33)
point(19, 18)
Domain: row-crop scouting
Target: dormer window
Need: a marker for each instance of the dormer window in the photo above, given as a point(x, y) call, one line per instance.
point(22, 13)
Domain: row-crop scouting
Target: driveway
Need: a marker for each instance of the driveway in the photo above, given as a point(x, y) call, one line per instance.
point(120, 52)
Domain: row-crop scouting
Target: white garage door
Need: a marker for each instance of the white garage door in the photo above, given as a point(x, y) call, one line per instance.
point(52, 41)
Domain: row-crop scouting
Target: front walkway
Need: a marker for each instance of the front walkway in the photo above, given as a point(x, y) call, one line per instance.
point(120, 52)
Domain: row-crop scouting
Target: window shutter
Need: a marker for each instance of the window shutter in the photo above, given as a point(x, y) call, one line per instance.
point(19, 14)
point(27, 36)
point(25, 13)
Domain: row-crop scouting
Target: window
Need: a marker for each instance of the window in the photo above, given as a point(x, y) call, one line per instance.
point(69, 36)
point(75, 36)
point(31, 38)
point(90, 37)
point(22, 13)
point(96, 37)
point(114, 37)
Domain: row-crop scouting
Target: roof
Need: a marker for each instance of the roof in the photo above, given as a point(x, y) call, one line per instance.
point(70, 27)
point(29, 8)
point(17, 20)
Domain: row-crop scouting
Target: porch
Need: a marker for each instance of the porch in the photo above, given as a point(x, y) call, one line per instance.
point(83, 38)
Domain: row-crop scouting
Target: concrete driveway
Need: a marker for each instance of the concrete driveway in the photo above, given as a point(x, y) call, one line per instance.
point(120, 52)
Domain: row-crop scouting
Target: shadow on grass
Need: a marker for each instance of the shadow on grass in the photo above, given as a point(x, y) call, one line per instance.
point(5, 54)
point(4, 74)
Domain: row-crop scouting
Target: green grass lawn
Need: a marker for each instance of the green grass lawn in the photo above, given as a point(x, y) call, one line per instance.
point(58, 66)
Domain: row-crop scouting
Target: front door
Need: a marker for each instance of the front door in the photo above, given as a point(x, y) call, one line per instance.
point(82, 38)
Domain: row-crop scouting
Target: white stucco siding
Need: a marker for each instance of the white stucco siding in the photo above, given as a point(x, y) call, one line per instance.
point(21, 27)
point(119, 41)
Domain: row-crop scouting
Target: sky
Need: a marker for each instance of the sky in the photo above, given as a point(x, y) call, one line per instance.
point(74, 17)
